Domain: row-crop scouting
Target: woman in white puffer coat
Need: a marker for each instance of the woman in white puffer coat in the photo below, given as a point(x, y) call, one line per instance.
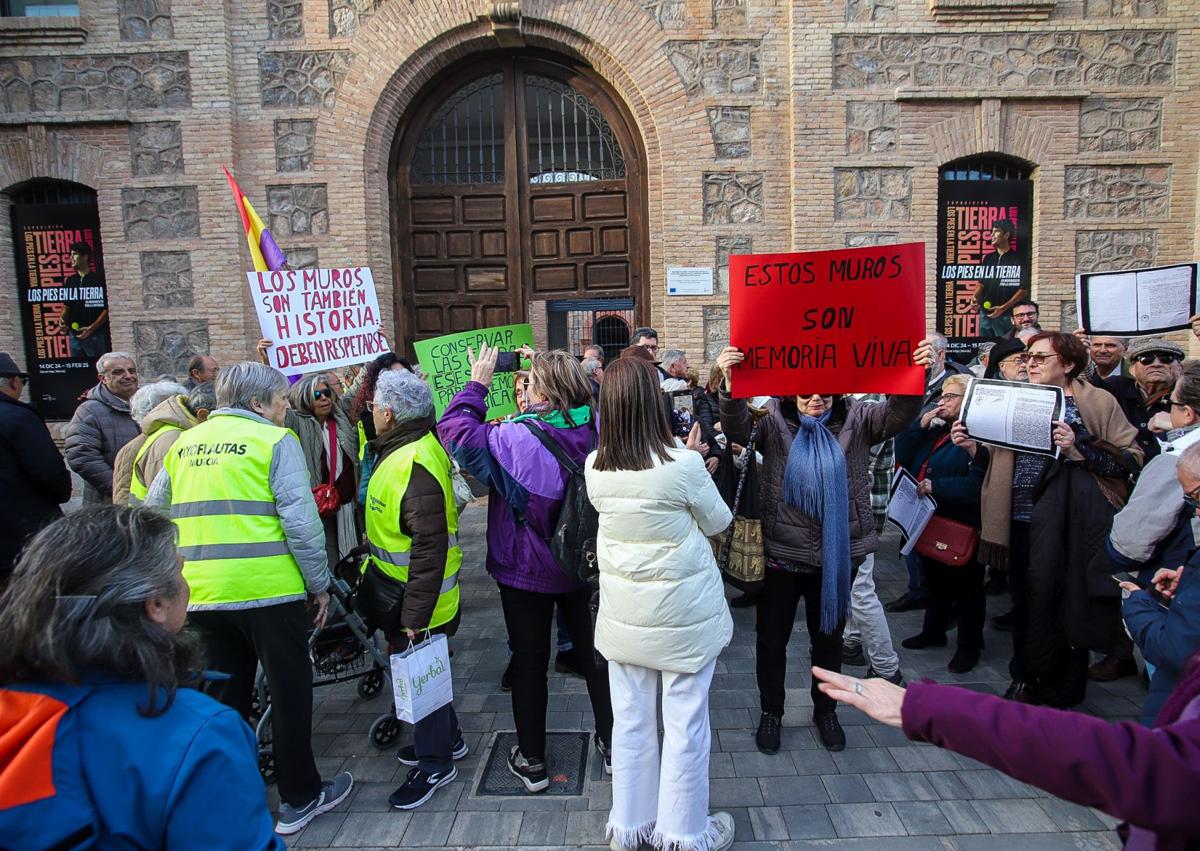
point(662, 615)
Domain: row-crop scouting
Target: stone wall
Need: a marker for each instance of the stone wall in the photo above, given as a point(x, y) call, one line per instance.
point(89, 84)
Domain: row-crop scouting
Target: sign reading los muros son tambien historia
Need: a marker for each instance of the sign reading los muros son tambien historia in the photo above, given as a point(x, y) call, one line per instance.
point(845, 321)
point(318, 318)
point(64, 313)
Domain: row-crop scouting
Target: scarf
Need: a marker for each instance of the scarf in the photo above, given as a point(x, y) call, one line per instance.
point(815, 482)
point(579, 416)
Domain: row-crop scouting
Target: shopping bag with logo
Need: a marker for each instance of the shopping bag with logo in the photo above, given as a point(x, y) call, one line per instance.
point(421, 679)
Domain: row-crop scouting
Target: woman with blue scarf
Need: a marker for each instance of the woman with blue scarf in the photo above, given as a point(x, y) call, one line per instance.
point(815, 502)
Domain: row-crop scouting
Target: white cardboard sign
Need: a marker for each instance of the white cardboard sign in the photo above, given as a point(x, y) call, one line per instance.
point(317, 318)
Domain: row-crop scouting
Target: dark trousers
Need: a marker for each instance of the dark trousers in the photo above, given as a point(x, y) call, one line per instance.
point(528, 615)
point(916, 578)
point(234, 643)
point(433, 739)
point(955, 590)
point(1018, 588)
point(777, 605)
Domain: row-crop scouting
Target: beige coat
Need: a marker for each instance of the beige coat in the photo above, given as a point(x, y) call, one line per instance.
point(171, 414)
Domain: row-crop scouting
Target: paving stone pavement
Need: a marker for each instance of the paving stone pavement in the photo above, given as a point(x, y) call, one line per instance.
point(882, 792)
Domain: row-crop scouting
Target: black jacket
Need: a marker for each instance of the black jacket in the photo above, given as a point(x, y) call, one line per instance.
point(1073, 600)
point(1136, 408)
point(33, 478)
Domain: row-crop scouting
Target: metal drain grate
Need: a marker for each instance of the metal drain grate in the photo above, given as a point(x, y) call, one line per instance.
point(566, 763)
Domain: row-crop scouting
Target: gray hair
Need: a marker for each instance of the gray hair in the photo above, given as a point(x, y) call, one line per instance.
point(671, 357)
point(984, 350)
point(1190, 459)
point(202, 397)
point(590, 365)
point(242, 383)
point(594, 347)
point(938, 342)
point(109, 357)
point(405, 395)
point(147, 398)
point(77, 601)
point(301, 394)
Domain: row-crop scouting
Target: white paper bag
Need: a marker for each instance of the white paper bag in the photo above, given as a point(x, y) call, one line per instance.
point(421, 679)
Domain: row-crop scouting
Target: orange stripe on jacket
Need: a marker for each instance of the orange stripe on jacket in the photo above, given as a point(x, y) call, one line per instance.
point(28, 724)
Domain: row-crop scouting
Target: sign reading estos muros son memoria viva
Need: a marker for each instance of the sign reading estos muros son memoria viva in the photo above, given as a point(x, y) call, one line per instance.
point(843, 321)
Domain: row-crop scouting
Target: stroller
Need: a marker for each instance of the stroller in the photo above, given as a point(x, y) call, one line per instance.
point(344, 649)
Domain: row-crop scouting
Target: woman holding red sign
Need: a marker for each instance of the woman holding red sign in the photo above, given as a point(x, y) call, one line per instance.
point(818, 527)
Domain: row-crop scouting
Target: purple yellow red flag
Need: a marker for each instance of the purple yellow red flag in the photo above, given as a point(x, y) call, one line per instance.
point(265, 253)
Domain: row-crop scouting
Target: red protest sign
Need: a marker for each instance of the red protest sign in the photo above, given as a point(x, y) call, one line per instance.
point(842, 321)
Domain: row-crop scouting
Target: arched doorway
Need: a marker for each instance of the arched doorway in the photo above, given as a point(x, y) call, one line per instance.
point(516, 178)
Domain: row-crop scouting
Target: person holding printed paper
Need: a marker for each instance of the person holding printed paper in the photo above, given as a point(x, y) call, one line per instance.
point(1059, 611)
point(410, 582)
point(817, 525)
point(953, 478)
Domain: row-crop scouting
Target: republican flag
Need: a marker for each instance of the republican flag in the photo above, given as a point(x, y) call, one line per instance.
point(266, 255)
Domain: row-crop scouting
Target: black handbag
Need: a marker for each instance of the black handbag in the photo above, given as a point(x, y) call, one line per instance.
point(379, 599)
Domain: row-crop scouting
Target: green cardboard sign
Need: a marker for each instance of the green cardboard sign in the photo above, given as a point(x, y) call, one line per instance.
point(445, 365)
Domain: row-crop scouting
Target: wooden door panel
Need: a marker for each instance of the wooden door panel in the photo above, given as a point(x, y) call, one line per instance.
point(516, 177)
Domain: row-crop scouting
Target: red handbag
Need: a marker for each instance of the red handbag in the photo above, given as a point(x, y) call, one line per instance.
point(325, 494)
point(944, 540)
point(948, 541)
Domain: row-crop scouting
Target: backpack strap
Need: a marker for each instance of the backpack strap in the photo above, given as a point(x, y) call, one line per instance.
point(556, 450)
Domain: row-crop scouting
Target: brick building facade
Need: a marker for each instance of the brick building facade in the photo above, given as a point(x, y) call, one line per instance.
point(756, 124)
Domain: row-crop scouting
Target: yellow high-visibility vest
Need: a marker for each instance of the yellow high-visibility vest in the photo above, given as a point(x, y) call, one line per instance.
point(138, 488)
point(230, 535)
point(390, 548)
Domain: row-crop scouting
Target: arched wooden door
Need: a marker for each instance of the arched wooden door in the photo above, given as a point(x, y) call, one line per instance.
point(516, 179)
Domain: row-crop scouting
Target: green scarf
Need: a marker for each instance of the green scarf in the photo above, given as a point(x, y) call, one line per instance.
point(579, 416)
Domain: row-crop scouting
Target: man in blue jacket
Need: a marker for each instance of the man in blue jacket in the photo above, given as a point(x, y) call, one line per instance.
point(33, 477)
point(1166, 625)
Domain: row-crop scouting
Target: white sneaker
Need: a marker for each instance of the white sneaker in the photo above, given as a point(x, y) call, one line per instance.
point(724, 824)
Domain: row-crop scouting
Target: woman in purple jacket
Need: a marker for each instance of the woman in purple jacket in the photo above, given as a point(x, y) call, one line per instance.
point(1148, 777)
point(527, 484)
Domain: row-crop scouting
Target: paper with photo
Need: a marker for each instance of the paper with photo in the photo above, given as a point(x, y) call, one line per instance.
point(907, 510)
point(1013, 415)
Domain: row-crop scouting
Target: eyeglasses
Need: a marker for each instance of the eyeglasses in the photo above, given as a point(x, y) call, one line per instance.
point(1036, 360)
point(950, 396)
point(1030, 315)
point(1165, 358)
point(323, 394)
point(1191, 499)
point(1175, 404)
point(371, 405)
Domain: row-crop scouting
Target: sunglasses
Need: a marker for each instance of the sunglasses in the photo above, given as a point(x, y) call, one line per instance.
point(1165, 358)
point(323, 394)
point(1036, 360)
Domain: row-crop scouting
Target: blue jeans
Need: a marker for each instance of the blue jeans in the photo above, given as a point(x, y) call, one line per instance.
point(433, 739)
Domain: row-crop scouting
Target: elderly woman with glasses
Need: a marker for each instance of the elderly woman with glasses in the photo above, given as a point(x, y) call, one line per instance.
point(817, 524)
point(330, 446)
point(106, 740)
point(953, 478)
point(1060, 609)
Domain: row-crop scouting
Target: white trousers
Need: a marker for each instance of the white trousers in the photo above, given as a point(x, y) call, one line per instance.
point(868, 622)
point(660, 801)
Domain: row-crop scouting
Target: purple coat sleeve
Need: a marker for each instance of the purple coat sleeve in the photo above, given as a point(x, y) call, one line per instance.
point(464, 433)
point(1146, 777)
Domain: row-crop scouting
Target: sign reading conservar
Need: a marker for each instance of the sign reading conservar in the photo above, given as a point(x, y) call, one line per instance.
point(843, 321)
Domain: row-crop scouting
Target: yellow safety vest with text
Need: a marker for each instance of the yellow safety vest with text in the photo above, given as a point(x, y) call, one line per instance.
point(389, 546)
point(138, 488)
point(230, 535)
